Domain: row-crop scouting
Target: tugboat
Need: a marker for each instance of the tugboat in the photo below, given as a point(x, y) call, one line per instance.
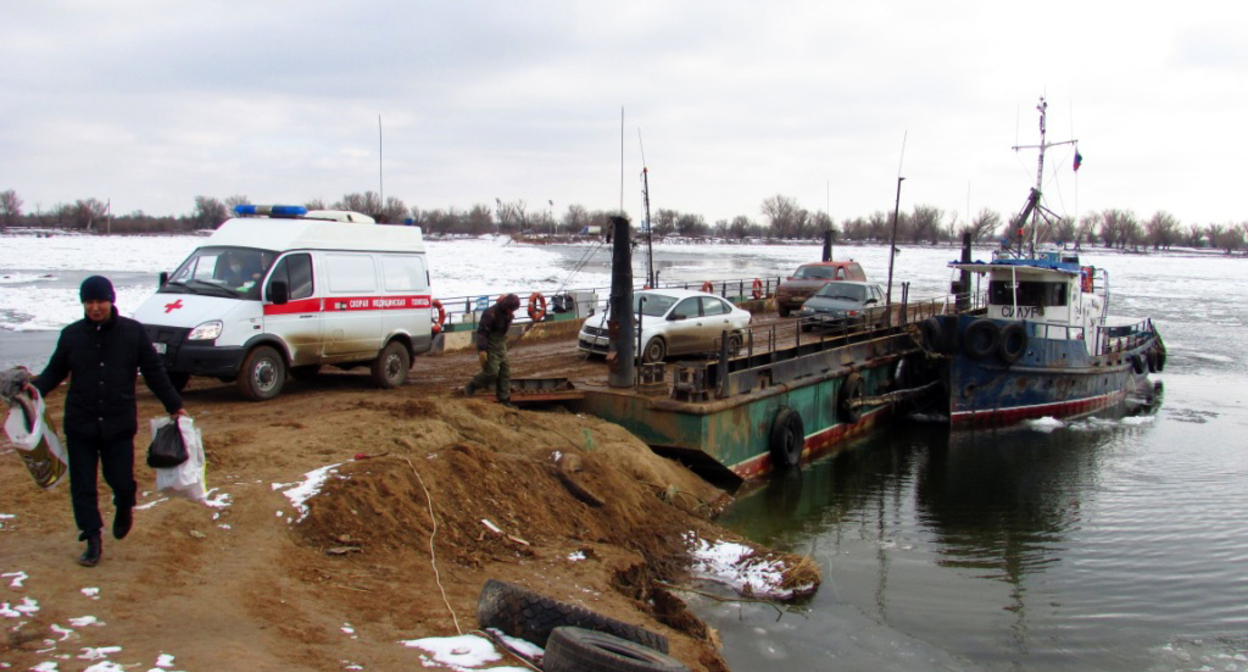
point(1040, 346)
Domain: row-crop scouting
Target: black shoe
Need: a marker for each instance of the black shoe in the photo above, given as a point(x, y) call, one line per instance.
point(91, 556)
point(506, 403)
point(470, 389)
point(122, 521)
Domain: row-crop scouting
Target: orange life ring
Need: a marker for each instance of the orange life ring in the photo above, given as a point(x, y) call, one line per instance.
point(756, 289)
point(537, 306)
point(437, 324)
point(708, 287)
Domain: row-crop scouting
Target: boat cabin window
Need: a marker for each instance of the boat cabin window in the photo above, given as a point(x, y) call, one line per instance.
point(1038, 294)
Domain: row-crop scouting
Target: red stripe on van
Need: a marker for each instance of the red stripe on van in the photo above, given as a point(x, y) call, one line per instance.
point(351, 303)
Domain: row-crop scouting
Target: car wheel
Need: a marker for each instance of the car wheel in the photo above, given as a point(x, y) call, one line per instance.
point(655, 351)
point(734, 345)
point(390, 368)
point(262, 375)
point(783, 310)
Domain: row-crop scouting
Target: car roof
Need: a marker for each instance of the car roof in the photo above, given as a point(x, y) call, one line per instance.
point(842, 283)
point(674, 292)
point(828, 263)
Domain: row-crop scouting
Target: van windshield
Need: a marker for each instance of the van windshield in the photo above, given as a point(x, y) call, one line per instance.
point(234, 272)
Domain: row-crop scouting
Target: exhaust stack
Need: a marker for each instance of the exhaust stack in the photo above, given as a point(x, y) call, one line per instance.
point(620, 327)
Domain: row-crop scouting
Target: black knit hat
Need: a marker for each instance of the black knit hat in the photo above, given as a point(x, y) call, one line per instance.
point(97, 288)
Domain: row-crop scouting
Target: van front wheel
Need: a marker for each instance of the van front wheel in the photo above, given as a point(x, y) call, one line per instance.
point(390, 369)
point(262, 375)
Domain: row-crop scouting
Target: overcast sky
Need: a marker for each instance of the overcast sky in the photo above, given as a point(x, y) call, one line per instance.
point(151, 103)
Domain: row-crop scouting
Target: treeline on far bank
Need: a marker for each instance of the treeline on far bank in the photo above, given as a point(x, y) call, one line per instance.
point(781, 217)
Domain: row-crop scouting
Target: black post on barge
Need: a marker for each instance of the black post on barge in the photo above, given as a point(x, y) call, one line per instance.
point(827, 245)
point(620, 323)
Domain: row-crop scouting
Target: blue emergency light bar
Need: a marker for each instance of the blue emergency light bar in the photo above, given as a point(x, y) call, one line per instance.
point(245, 209)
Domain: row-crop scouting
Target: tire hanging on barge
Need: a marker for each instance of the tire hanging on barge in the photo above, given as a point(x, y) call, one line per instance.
point(852, 389)
point(787, 439)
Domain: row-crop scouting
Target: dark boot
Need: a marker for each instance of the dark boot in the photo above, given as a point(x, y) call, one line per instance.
point(122, 520)
point(470, 389)
point(91, 556)
point(506, 403)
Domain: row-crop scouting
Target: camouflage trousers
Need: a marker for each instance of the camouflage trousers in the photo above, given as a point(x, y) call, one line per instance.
point(497, 372)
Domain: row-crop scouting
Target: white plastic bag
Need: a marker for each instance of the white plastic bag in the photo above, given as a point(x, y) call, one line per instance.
point(39, 446)
point(186, 479)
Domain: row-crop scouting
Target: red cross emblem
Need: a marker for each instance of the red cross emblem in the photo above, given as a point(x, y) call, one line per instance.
point(170, 307)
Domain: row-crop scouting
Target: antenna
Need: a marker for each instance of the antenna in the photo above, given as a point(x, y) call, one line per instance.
point(381, 173)
point(621, 159)
point(892, 244)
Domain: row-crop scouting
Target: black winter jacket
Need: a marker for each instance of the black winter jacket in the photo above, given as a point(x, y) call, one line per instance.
point(495, 320)
point(103, 360)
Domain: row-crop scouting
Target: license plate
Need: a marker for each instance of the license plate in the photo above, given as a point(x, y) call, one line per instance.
point(159, 348)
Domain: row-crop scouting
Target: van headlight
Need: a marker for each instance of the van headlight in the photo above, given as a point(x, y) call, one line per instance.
point(208, 331)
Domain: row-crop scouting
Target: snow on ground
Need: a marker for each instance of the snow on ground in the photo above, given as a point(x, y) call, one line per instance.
point(734, 565)
point(300, 492)
point(463, 652)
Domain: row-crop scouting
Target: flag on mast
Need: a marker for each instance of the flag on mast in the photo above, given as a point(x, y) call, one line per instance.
point(1078, 160)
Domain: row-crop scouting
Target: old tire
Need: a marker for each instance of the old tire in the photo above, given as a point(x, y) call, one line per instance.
point(852, 389)
point(655, 351)
point(1137, 364)
point(580, 650)
point(1013, 342)
point(262, 375)
point(787, 439)
point(519, 612)
point(981, 339)
point(390, 368)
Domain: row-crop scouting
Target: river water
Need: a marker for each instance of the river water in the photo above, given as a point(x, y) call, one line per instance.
point(1102, 544)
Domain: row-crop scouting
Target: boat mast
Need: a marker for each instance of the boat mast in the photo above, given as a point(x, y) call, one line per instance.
point(1033, 207)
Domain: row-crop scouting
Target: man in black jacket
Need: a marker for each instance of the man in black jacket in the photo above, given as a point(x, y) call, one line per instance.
point(101, 354)
point(492, 349)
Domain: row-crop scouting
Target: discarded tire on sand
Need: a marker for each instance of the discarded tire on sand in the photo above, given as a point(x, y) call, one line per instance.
point(580, 650)
point(519, 612)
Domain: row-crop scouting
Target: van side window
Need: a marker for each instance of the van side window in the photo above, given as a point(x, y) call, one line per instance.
point(350, 273)
point(296, 271)
point(406, 273)
point(840, 272)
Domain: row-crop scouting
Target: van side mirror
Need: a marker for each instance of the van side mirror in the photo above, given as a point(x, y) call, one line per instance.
point(279, 293)
point(164, 278)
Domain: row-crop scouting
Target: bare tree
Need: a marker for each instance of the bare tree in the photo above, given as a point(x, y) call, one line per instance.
point(1195, 235)
point(10, 209)
point(925, 224)
point(782, 216)
point(1162, 230)
point(984, 225)
point(1065, 230)
point(209, 213)
point(1088, 227)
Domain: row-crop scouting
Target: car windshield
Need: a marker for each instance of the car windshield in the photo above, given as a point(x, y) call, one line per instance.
point(234, 272)
point(839, 290)
point(655, 305)
point(813, 272)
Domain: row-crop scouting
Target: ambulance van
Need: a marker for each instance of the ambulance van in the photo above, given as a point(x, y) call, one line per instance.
point(281, 290)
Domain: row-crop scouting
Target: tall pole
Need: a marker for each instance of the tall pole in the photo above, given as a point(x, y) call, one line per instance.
point(892, 248)
point(381, 174)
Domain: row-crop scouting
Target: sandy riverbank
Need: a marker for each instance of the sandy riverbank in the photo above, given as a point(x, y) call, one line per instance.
point(254, 583)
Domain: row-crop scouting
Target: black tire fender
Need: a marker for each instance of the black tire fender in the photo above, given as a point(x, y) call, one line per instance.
point(1137, 363)
point(931, 330)
point(573, 649)
point(519, 612)
point(787, 439)
point(1013, 342)
point(851, 388)
point(981, 338)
